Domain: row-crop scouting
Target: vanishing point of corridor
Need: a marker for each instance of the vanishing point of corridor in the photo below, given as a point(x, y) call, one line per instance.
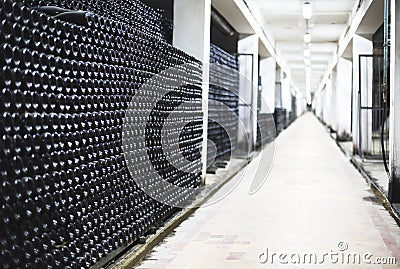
point(314, 202)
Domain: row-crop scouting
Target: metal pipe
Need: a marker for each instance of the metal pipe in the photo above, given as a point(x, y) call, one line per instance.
point(386, 45)
point(221, 23)
point(385, 50)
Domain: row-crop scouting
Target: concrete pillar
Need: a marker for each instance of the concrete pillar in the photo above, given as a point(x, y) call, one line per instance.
point(278, 87)
point(301, 104)
point(362, 46)
point(286, 96)
point(268, 77)
point(325, 103)
point(332, 112)
point(248, 90)
point(394, 130)
point(328, 103)
point(321, 101)
point(343, 98)
point(318, 103)
point(192, 28)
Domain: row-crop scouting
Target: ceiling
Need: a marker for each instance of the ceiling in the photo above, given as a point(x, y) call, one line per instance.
point(284, 19)
point(372, 20)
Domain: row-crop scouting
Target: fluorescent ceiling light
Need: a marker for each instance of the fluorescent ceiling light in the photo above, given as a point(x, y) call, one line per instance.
point(307, 53)
point(307, 10)
point(307, 61)
point(307, 37)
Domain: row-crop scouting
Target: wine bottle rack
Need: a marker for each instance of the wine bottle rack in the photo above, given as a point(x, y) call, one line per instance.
point(266, 129)
point(130, 12)
point(68, 199)
point(224, 89)
point(281, 120)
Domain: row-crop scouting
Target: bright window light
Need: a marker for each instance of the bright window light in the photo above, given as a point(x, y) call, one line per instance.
point(307, 10)
point(307, 61)
point(307, 53)
point(307, 37)
point(308, 69)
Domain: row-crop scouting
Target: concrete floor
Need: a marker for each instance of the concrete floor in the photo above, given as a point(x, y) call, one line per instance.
point(374, 168)
point(314, 203)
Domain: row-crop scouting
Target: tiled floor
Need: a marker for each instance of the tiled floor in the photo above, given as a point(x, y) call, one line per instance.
point(314, 203)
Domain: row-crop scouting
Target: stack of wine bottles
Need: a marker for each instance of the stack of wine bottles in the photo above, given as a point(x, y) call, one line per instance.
point(67, 197)
point(134, 13)
point(293, 113)
point(266, 129)
point(281, 119)
point(224, 89)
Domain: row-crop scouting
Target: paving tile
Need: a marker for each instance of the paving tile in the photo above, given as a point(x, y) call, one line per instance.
point(235, 256)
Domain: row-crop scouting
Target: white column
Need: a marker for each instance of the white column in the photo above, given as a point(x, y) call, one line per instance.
point(278, 87)
point(268, 78)
point(248, 89)
point(362, 46)
point(286, 95)
point(325, 104)
point(394, 130)
point(318, 103)
point(300, 104)
point(192, 23)
point(329, 101)
point(321, 101)
point(333, 117)
point(343, 97)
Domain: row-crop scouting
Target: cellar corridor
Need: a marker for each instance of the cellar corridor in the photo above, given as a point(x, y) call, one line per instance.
point(210, 134)
point(314, 201)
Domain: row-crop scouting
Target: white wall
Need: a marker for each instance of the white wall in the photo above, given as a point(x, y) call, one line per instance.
point(333, 119)
point(328, 115)
point(361, 45)
point(248, 91)
point(192, 34)
point(268, 78)
point(301, 104)
point(394, 130)
point(320, 103)
point(343, 97)
point(325, 105)
point(278, 87)
point(192, 27)
point(286, 95)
